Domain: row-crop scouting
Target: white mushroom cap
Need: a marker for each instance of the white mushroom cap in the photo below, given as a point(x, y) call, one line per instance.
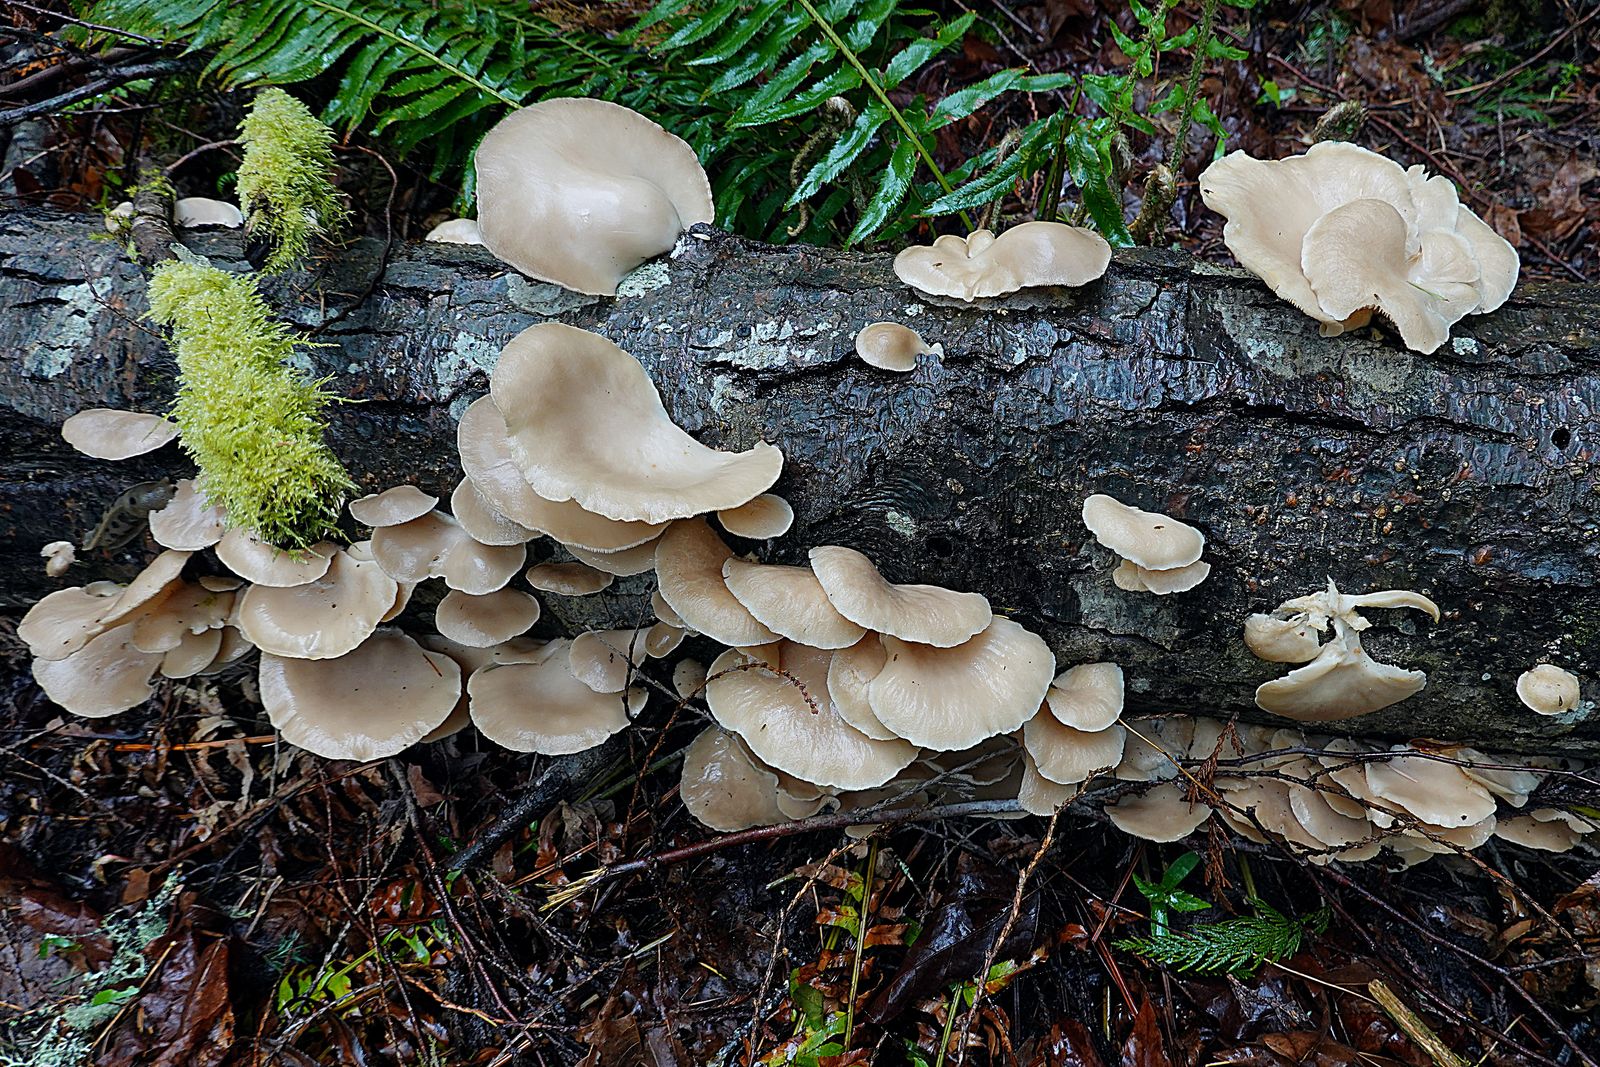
point(586, 423)
point(482, 522)
point(393, 506)
point(1067, 756)
point(233, 647)
point(65, 620)
point(486, 620)
point(724, 787)
point(789, 601)
point(580, 192)
point(58, 556)
point(1088, 696)
point(663, 639)
point(761, 519)
point(605, 660)
point(485, 450)
point(436, 546)
point(688, 677)
point(257, 562)
point(187, 608)
point(540, 707)
point(193, 653)
point(187, 523)
point(322, 619)
point(1548, 689)
point(110, 433)
point(623, 563)
point(1281, 640)
point(850, 675)
point(1136, 579)
point(1498, 262)
point(952, 698)
point(1159, 814)
point(1529, 832)
point(1505, 781)
point(1038, 795)
point(664, 612)
point(983, 265)
point(1341, 683)
point(891, 346)
point(689, 561)
point(456, 232)
point(370, 703)
point(105, 676)
point(805, 737)
point(1438, 793)
point(158, 579)
point(1154, 542)
point(568, 579)
point(926, 614)
point(193, 212)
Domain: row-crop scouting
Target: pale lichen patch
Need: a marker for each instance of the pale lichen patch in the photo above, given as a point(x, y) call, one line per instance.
point(900, 523)
point(652, 275)
point(67, 330)
point(468, 353)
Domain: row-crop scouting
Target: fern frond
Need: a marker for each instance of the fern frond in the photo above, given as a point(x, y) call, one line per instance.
point(1234, 946)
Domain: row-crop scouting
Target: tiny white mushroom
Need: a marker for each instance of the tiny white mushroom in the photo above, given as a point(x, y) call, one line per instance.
point(891, 346)
point(1548, 689)
point(58, 556)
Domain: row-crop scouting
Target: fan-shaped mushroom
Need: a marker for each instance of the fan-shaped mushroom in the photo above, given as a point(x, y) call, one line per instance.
point(724, 787)
point(111, 433)
point(891, 346)
point(983, 265)
point(1548, 689)
point(790, 602)
point(925, 614)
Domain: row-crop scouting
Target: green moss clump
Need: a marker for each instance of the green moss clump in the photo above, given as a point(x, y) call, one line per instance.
point(284, 188)
point(252, 424)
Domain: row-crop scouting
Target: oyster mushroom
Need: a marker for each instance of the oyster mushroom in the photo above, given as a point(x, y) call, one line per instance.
point(893, 347)
point(187, 522)
point(437, 546)
point(456, 232)
point(104, 676)
point(482, 522)
point(689, 565)
point(568, 579)
point(790, 602)
point(486, 620)
point(1548, 689)
point(724, 787)
point(110, 433)
point(925, 614)
point(983, 265)
point(1161, 554)
point(1160, 814)
point(1087, 697)
point(402, 503)
point(66, 620)
point(1068, 756)
point(57, 556)
point(541, 707)
point(761, 519)
point(198, 212)
point(259, 563)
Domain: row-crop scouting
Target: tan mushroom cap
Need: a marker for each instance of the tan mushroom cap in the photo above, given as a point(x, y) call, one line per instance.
point(158, 579)
point(65, 620)
point(1318, 817)
point(456, 232)
point(58, 556)
point(1529, 832)
point(436, 546)
point(486, 620)
point(587, 424)
point(1067, 756)
point(605, 660)
point(320, 619)
point(952, 698)
point(1341, 683)
point(1038, 795)
point(568, 579)
point(688, 677)
point(983, 265)
point(187, 523)
point(663, 639)
point(1159, 814)
point(663, 610)
point(482, 522)
point(850, 675)
point(1548, 689)
point(926, 614)
point(485, 449)
point(891, 346)
point(1438, 793)
point(1152, 745)
point(1136, 579)
point(540, 707)
point(1498, 262)
point(1088, 696)
point(393, 506)
point(370, 703)
point(789, 601)
point(257, 562)
point(1152, 541)
point(761, 519)
point(723, 786)
point(233, 647)
point(624, 563)
point(689, 561)
point(105, 676)
point(805, 737)
point(1500, 775)
point(186, 608)
point(580, 192)
point(193, 212)
point(1281, 640)
point(110, 433)
point(193, 653)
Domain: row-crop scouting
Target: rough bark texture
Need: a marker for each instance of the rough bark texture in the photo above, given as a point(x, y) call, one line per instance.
point(1177, 386)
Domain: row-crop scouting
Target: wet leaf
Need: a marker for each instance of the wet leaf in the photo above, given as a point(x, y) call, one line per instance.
point(952, 948)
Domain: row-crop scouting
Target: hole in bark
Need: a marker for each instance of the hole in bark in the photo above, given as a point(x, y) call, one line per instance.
point(1562, 437)
point(941, 546)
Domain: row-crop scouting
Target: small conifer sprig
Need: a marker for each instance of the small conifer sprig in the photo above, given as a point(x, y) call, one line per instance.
point(284, 186)
point(253, 425)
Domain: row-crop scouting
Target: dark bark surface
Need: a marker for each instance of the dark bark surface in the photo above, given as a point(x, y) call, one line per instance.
point(1468, 475)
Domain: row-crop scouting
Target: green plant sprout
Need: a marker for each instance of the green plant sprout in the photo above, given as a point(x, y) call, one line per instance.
point(252, 424)
point(284, 187)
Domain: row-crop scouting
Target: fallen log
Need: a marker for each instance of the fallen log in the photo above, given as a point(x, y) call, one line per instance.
point(1175, 385)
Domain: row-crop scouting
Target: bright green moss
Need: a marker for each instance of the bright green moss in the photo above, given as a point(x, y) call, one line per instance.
point(252, 424)
point(284, 188)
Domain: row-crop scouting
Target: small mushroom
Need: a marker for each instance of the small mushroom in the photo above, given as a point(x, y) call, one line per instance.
point(58, 556)
point(1068, 756)
point(187, 522)
point(1136, 579)
point(1088, 696)
point(1548, 689)
point(663, 639)
point(199, 212)
point(568, 579)
point(437, 546)
point(724, 787)
point(1160, 814)
point(485, 620)
point(325, 618)
point(541, 707)
point(159, 578)
point(456, 232)
point(1341, 683)
point(65, 620)
point(664, 612)
point(482, 522)
point(688, 678)
point(1529, 832)
point(402, 503)
point(580, 192)
point(605, 660)
point(1038, 795)
point(790, 602)
point(983, 265)
point(586, 423)
point(370, 703)
point(1281, 640)
point(1144, 538)
point(186, 609)
point(624, 563)
point(103, 677)
point(689, 564)
point(925, 614)
point(761, 519)
point(110, 433)
point(259, 563)
point(952, 698)
point(891, 346)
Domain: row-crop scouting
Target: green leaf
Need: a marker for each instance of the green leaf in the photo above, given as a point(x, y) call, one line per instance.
point(807, 100)
point(911, 58)
point(891, 192)
point(1091, 173)
point(850, 145)
point(963, 102)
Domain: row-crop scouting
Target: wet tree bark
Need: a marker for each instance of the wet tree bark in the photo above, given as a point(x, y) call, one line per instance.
point(1469, 475)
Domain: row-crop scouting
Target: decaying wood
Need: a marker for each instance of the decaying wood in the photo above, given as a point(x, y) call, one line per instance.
point(1469, 475)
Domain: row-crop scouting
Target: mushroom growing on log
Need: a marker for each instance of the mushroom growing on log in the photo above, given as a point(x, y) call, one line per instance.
point(1467, 474)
